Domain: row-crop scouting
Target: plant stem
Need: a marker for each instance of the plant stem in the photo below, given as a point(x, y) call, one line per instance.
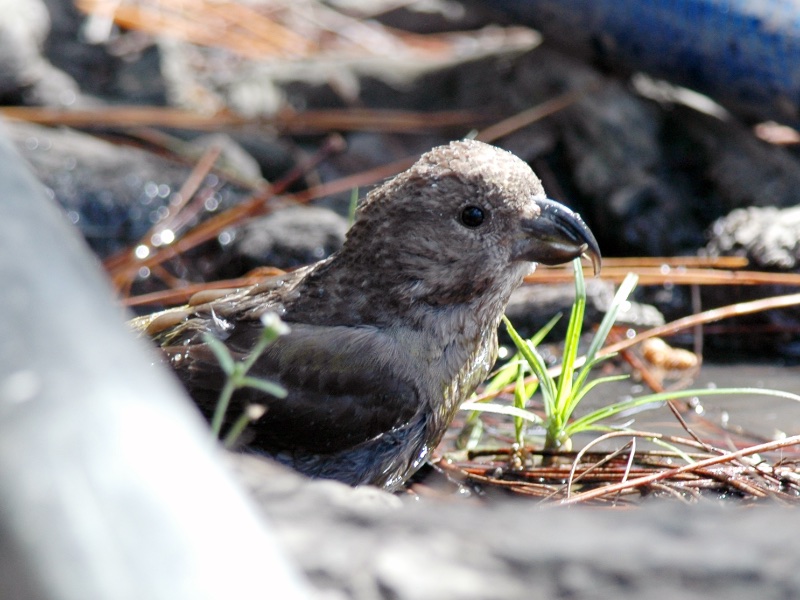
point(222, 406)
point(236, 429)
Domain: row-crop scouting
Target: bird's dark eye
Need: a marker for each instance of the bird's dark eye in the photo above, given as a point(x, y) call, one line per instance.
point(473, 216)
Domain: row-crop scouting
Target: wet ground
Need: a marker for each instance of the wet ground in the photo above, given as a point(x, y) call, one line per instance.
point(763, 416)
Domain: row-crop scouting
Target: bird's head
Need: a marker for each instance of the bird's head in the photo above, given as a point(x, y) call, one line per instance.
point(462, 219)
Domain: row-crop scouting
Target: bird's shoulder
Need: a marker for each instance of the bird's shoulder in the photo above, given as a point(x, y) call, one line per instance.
point(214, 310)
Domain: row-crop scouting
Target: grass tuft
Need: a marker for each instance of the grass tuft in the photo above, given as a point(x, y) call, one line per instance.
point(563, 394)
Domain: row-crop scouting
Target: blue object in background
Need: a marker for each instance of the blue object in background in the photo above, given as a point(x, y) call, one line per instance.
point(743, 53)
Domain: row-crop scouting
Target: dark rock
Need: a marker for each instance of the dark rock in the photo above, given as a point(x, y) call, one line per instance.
point(113, 193)
point(430, 16)
point(741, 169)
point(287, 238)
point(273, 156)
point(336, 78)
point(233, 158)
point(113, 66)
point(612, 140)
point(366, 150)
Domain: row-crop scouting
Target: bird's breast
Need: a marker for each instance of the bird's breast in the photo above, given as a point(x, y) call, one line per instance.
point(467, 367)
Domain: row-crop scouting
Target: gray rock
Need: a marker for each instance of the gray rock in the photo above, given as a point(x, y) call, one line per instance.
point(512, 549)
point(94, 507)
point(532, 306)
point(291, 237)
point(769, 237)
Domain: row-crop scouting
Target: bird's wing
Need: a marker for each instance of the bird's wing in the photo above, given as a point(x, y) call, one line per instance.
point(182, 324)
point(345, 385)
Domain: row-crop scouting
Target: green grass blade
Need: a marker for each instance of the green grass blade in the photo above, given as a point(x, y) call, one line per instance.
point(221, 353)
point(505, 375)
point(538, 366)
point(502, 409)
point(520, 401)
point(542, 333)
point(583, 375)
point(581, 381)
point(470, 436)
point(587, 422)
point(625, 290)
point(580, 392)
point(222, 407)
point(571, 342)
point(351, 210)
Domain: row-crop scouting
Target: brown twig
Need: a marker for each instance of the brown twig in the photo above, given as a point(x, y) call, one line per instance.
point(285, 122)
point(693, 467)
point(682, 276)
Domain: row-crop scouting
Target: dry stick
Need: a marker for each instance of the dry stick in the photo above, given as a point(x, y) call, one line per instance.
point(188, 189)
point(253, 207)
point(182, 294)
point(697, 307)
point(266, 30)
point(708, 316)
point(193, 210)
point(675, 493)
point(687, 276)
point(673, 262)
point(165, 276)
point(714, 450)
point(768, 447)
point(729, 479)
point(629, 465)
point(677, 414)
point(639, 366)
point(179, 23)
point(286, 121)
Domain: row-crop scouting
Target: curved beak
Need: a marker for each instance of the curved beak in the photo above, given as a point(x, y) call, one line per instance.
point(557, 236)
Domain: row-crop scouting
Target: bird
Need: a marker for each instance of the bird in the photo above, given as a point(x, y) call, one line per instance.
point(391, 333)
